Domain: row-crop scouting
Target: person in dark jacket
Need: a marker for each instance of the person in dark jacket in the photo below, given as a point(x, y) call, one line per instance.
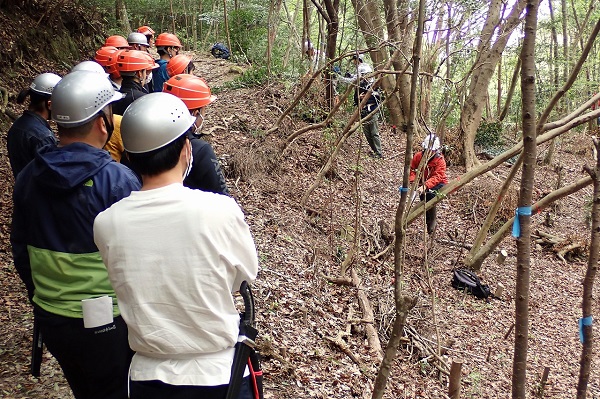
point(56, 199)
point(206, 174)
point(370, 125)
point(167, 46)
point(432, 177)
point(135, 67)
point(31, 131)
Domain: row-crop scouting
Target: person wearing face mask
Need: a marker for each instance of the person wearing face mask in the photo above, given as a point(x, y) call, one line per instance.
point(167, 46)
point(175, 256)
point(135, 68)
point(56, 198)
point(31, 131)
point(206, 171)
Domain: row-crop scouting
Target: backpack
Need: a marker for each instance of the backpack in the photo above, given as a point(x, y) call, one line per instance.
point(466, 280)
point(219, 50)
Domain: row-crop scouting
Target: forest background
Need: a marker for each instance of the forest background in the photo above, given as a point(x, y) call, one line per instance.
point(458, 68)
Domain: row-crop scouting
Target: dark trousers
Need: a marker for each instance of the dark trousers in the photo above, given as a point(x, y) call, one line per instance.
point(95, 361)
point(159, 390)
point(430, 215)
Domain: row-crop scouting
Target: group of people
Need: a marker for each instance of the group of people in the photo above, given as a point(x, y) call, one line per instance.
point(131, 257)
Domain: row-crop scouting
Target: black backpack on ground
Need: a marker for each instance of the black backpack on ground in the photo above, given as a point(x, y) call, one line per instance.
point(466, 280)
point(219, 50)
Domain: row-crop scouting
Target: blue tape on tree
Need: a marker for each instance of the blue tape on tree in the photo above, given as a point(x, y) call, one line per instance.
point(524, 211)
point(584, 321)
point(403, 189)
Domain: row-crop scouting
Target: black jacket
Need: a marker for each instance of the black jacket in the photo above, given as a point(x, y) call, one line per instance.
point(27, 135)
point(132, 90)
point(206, 174)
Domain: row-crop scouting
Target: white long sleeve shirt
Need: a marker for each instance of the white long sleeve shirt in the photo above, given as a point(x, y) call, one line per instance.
point(174, 256)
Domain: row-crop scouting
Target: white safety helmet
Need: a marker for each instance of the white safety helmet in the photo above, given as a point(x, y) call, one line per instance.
point(80, 96)
point(91, 66)
point(153, 121)
point(137, 38)
point(44, 83)
point(431, 142)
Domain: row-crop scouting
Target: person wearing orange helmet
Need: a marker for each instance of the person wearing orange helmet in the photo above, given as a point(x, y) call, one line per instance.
point(106, 57)
point(148, 32)
point(168, 46)
point(117, 41)
point(179, 64)
point(205, 174)
point(134, 67)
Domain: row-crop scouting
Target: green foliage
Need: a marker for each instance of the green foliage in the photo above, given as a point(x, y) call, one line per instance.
point(248, 30)
point(252, 77)
point(489, 134)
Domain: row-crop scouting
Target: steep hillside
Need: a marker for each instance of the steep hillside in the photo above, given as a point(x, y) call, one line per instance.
point(313, 330)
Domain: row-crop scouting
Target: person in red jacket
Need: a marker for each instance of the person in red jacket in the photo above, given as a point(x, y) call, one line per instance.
point(433, 176)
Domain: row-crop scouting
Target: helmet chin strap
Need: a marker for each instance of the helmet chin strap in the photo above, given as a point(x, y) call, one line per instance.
point(110, 128)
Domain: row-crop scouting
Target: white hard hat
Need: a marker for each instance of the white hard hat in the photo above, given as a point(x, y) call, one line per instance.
point(153, 121)
point(80, 96)
point(431, 142)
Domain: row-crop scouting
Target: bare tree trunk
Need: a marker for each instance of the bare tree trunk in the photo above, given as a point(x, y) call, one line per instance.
point(172, 16)
point(404, 302)
point(121, 15)
point(483, 70)
point(330, 15)
point(511, 90)
point(588, 284)
point(519, 379)
point(554, 66)
point(226, 21)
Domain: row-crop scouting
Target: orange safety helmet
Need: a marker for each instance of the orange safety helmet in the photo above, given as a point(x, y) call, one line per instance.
point(111, 64)
point(178, 64)
point(134, 60)
point(192, 90)
point(145, 30)
point(103, 54)
point(116, 41)
point(167, 40)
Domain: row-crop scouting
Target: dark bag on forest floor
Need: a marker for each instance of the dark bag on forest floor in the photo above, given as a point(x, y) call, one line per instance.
point(466, 280)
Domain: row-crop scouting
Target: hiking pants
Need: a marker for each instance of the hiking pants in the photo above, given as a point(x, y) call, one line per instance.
point(95, 361)
point(371, 130)
point(430, 215)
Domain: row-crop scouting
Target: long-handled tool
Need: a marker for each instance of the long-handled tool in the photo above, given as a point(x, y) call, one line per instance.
point(36, 349)
point(244, 350)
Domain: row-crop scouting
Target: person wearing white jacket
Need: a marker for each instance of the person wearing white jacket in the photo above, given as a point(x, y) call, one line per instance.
point(175, 256)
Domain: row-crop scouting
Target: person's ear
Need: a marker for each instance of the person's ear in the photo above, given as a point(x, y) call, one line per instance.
point(49, 105)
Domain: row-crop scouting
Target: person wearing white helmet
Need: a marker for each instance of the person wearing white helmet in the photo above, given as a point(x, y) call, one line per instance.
point(31, 131)
point(432, 176)
point(56, 198)
point(175, 255)
point(370, 124)
point(137, 41)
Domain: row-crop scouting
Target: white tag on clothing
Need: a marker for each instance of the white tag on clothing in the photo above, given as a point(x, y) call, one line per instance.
point(97, 312)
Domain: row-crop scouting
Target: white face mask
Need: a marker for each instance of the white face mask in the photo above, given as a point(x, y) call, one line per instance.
point(190, 162)
point(148, 77)
point(199, 127)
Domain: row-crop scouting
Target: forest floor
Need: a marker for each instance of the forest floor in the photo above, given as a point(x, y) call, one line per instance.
point(312, 330)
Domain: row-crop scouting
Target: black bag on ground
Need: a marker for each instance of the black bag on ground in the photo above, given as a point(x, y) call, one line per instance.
point(466, 280)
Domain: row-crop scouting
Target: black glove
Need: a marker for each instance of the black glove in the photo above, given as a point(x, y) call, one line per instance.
point(347, 75)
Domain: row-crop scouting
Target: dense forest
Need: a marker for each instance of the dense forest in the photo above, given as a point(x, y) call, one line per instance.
point(354, 295)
